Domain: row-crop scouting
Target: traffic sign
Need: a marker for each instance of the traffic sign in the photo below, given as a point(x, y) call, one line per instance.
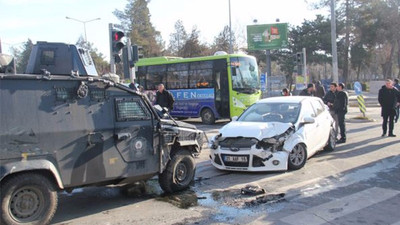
point(358, 88)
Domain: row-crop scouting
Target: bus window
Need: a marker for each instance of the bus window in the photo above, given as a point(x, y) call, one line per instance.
point(244, 75)
point(178, 76)
point(141, 76)
point(155, 75)
point(201, 75)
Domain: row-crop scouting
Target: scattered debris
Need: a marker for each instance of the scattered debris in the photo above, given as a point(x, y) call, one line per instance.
point(269, 198)
point(183, 200)
point(252, 189)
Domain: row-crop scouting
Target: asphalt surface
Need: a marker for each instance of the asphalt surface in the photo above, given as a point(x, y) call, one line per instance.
point(358, 183)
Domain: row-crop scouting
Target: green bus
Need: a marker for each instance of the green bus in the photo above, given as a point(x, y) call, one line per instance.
point(210, 87)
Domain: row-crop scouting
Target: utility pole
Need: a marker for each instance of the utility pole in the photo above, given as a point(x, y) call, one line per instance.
point(230, 30)
point(268, 56)
point(335, 75)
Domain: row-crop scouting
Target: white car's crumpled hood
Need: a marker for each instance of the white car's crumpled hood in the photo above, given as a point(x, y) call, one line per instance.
point(254, 129)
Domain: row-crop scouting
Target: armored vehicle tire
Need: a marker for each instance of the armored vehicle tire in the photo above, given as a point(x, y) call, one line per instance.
point(330, 146)
point(207, 116)
point(28, 199)
point(297, 157)
point(179, 172)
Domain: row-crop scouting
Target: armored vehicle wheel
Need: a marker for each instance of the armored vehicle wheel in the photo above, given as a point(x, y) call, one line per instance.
point(179, 172)
point(28, 199)
point(298, 157)
point(207, 116)
point(330, 146)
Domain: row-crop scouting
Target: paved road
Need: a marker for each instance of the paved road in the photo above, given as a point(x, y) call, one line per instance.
point(358, 183)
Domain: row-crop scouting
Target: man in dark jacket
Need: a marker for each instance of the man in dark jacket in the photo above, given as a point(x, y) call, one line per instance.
point(329, 100)
point(340, 106)
point(397, 86)
point(319, 90)
point(309, 91)
point(388, 99)
point(164, 98)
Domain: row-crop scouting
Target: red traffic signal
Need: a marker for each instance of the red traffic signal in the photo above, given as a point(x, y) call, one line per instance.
point(117, 44)
point(118, 35)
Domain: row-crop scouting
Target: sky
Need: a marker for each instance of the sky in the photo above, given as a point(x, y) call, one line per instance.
point(45, 20)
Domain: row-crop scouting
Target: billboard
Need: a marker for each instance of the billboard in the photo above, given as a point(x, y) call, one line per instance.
point(267, 36)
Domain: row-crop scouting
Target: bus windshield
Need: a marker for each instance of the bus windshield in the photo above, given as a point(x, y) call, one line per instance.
point(245, 77)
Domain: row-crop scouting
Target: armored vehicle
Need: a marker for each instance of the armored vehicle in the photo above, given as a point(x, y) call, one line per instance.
point(63, 127)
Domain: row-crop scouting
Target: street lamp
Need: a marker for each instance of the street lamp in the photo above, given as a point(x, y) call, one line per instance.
point(84, 23)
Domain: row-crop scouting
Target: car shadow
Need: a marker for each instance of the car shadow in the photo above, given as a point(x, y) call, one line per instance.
point(355, 149)
point(357, 130)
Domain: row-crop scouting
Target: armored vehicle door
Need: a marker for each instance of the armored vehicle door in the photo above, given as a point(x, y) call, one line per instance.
point(135, 133)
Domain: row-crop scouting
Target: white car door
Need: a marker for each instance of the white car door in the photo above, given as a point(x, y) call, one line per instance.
point(322, 124)
point(310, 130)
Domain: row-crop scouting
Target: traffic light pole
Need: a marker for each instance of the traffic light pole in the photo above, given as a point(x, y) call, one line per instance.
point(112, 60)
point(268, 58)
point(305, 65)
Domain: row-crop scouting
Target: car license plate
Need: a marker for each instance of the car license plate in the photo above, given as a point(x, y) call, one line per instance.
point(230, 158)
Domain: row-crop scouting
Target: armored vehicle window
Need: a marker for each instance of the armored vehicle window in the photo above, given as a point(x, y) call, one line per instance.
point(85, 57)
point(130, 109)
point(47, 57)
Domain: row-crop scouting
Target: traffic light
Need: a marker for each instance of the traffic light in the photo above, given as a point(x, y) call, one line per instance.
point(299, 58)
point(117, 44)
point(136, 53)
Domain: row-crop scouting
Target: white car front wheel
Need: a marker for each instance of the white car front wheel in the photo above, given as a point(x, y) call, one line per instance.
point(297, 157)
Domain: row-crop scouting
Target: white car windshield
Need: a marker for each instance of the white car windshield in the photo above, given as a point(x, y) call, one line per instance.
point(272, 112)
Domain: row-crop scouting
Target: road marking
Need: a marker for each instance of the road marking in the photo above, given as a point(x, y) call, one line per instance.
point(338, 208)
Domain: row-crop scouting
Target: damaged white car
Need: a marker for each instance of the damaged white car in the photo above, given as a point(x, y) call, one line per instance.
point(274, 134)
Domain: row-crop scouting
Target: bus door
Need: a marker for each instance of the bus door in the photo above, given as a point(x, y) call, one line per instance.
point(221, 88)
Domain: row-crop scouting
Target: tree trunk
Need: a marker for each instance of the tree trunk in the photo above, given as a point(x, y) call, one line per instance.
point(358, 71)
point(398, 56)
point(347, 43)
point(387, 66)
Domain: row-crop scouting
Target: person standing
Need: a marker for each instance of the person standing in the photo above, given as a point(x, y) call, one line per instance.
point(319, 90)
point(285, 92)
point(397, 86)
point(329, 100)
point(340, 106)
point(309, 91)
point(388, 99)
point(164, 98)
point(132, 86)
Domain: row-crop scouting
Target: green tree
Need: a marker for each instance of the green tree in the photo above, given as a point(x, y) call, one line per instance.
point(136, 20)
point(177, 39)
point(378, 28)
point(221, 42)
point(21, 55)
point(193, 47)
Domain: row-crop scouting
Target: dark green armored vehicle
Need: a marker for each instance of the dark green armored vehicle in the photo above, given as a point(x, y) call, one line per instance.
point(63, 127)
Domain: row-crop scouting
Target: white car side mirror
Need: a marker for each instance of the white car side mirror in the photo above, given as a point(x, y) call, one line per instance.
point(308, 120)
point(234, 118)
